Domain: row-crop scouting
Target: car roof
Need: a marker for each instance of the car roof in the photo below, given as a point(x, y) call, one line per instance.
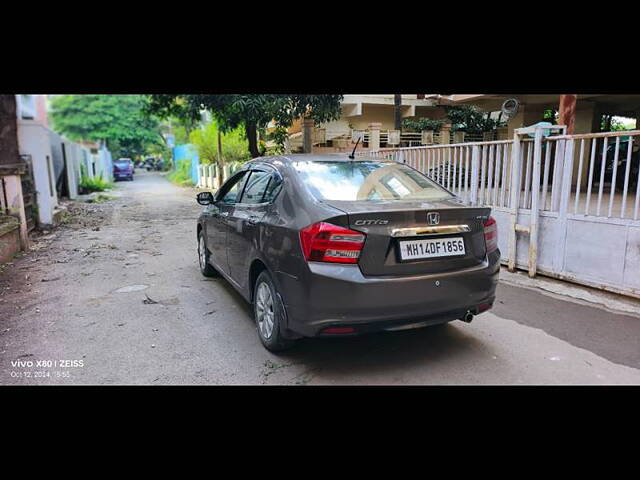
point(314, 157)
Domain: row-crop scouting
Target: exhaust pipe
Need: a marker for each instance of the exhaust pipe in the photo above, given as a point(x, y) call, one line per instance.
point(467, 317)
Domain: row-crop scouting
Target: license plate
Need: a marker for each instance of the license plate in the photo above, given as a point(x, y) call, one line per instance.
point(431, 248)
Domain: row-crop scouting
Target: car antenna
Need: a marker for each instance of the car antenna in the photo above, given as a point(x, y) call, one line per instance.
point(353, 154)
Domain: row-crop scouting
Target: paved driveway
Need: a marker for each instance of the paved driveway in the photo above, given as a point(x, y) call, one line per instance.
point(115, 297)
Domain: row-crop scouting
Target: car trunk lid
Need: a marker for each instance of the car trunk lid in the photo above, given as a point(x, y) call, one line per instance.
point(389, 224)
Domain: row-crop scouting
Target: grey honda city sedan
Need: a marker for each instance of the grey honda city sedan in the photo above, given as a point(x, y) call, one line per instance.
point(326, 245)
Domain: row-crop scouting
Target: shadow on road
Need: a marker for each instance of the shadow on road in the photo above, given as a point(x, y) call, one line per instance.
point(384, 352)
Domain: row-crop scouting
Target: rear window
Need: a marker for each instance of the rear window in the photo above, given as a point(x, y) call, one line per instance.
point(368, 181)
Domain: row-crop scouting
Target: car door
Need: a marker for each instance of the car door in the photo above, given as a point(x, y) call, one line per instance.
point(217, 218)
point(245, 222)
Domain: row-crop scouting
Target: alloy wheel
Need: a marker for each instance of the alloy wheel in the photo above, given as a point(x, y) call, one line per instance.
point(265, 310)
point(202, 253)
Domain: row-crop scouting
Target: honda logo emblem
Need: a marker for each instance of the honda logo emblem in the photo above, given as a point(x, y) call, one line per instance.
point(433, 218)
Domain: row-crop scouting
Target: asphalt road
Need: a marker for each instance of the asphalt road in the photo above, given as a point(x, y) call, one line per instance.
point(115, 297)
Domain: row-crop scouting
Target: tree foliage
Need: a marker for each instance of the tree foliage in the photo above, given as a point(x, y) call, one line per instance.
point(612, 123)
point(468, 118)
point(550, 115)
point(251, 111)
point(420, 124)
point(118, 120)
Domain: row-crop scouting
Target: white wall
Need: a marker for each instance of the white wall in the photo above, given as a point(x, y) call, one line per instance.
point(33, 139)
point(73, 152)
point(103, 164)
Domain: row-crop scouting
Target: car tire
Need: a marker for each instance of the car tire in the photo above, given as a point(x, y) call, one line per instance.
point(203, 258)
point(269, 314)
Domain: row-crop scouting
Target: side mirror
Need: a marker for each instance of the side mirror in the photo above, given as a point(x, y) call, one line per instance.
point(204, 198)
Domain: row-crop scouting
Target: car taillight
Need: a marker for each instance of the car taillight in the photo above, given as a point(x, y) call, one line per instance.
point(491, 234)
point(483, 307)
point(325, 242)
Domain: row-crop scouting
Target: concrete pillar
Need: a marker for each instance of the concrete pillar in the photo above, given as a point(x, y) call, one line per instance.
point(567, 112)
point(445, 134)
point(427, 137)
point(15, 205)
point(307, 135)
point(374, 135)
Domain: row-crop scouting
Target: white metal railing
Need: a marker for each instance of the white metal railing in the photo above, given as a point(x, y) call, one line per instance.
point(604, 178)
point(566, 205)
point(607, 163)
point(456, 166)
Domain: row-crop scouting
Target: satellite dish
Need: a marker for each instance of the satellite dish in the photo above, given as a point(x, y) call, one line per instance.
point(510, 107)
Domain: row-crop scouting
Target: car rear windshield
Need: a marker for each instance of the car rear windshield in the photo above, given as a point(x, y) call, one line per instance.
point(368, 181)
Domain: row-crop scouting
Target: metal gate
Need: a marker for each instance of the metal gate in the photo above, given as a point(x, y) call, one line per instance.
point(567, 206)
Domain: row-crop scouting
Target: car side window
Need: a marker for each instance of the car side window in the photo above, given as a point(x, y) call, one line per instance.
point(256, 186)
point(232, 190)
point(273, 188)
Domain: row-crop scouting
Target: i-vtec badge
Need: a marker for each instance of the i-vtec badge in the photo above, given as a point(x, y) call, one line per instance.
point(371, 222)
point(433, 218)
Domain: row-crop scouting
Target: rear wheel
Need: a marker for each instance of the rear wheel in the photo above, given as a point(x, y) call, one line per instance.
point(203, 258)
point(269, 314)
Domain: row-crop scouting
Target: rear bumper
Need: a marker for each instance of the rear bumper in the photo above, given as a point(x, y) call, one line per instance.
point(339, 295)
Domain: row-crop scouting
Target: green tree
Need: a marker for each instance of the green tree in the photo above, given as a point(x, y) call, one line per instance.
point(118, 120)
point(611, 123)
point(215, 147)
point(250, 112)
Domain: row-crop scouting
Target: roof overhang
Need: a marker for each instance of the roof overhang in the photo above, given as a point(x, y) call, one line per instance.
point(622, 105)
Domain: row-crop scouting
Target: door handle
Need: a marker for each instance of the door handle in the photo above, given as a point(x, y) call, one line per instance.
point(253, 220)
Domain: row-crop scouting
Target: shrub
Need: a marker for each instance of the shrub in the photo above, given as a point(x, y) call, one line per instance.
point(470, 119)
point(422, 124)
point(95, 184)
point(182, 174)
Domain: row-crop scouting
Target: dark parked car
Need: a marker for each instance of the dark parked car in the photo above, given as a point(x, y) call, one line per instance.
point(323, 245)
point(152, 163)
point(123, 168)
point(623, 154)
